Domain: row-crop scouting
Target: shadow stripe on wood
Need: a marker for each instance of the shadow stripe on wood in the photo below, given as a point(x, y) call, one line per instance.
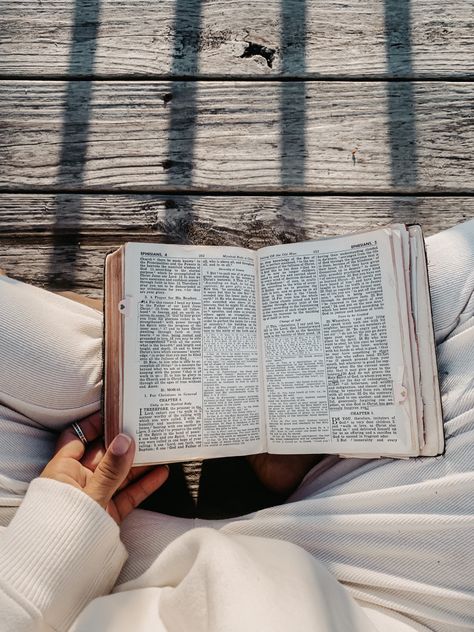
point(73, 258)
point(393, 38)
point(230, 219)
point(230, 137)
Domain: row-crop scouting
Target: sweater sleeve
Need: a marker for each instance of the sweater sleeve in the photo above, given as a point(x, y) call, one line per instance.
point(60, 551)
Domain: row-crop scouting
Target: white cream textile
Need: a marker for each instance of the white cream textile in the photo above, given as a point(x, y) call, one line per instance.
point(384, 545)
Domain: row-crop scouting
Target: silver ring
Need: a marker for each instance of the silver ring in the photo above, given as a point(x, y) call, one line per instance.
point(78, 430)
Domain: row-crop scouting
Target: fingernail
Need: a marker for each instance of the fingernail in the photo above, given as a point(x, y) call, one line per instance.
point(120, 444)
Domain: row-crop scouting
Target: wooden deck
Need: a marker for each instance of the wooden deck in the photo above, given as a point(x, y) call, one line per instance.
point(226, 122)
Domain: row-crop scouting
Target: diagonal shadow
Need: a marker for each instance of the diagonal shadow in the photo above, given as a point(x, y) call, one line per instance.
point(75, 131)
point(401, 98)
point(182, 104)
point(293, 116)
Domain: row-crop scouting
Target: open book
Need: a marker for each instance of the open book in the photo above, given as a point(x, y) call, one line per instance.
point(315, 347)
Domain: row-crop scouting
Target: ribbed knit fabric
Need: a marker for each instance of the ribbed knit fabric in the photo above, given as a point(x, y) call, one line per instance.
point(397, 535)
point(60, 551)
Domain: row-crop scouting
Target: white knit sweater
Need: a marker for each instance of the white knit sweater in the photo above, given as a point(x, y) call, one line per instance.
point(61, 555)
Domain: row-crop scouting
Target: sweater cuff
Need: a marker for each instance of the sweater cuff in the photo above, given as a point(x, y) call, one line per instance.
point(60, 551)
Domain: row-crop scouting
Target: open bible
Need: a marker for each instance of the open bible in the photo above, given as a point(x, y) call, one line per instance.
point(315, 347)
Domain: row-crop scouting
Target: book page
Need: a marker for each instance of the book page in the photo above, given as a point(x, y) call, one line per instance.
point(335, 368)
point(191, 367)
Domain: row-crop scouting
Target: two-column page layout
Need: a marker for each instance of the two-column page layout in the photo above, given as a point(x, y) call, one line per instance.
point(316, 347)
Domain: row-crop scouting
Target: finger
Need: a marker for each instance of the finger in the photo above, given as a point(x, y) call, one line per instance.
point(69, 445)
point(91, 427)
point(135, 493)
point(135, 473)
point(112, 470)
point(93, 455)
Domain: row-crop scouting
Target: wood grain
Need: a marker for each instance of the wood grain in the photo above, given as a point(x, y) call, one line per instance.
point(262, 38)
point(67, 251)
point(250, 221)
point(213, 136)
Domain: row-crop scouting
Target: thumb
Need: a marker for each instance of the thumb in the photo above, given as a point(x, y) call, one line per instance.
point(112, 470)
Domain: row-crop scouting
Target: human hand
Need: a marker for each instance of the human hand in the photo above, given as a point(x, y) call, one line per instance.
point(282, 473)
point(105, 476)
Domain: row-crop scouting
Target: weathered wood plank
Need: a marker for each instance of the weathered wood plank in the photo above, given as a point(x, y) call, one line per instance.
point(67, 251)
point(250, 221)
point(204, 136)
point(394, 38)
point(59, 268)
